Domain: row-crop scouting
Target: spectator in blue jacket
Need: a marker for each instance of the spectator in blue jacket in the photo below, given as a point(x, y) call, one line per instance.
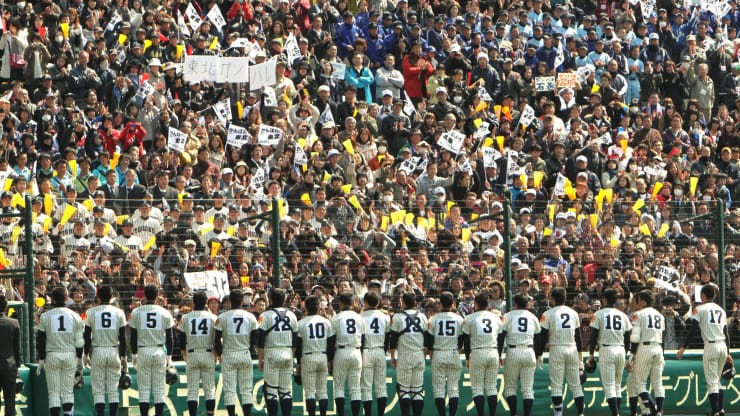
point(347, 34)
point(361, 77)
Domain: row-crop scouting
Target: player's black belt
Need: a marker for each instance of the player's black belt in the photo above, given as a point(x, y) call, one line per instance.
point(521, 346)
point(613, 345)
point(721, 341)
point(341, 347)
point(484, 348)
point(105, 346)
point(651, 343)
point(563, 345)
point(199, 350)
point(447, 350)
point(152, 346)
point(372, 348)
point(310, 353)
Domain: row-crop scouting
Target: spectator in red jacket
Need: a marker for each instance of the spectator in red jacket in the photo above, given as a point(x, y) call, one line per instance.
point(416, 70)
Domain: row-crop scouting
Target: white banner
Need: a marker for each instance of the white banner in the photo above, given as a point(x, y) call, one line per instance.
point(466, 167)
point(193, 17)
point(258, 179)
point(223, 111)
point(198, 68)
point(176, 140)
point(115, 20)
point(214, 283)
point(339, 70)
point(145, 89)
point(409, 165)
point(408, 105)
point(606, 139)
point(215, 16)
point(181, 23)
point(269, 136)
point(451, 141)
point(237, 136)
point(483, 130)
point(270, 98)
point(262, 75)
point(667, 274)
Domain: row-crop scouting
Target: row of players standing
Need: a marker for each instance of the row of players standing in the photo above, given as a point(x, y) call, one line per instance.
point(352, 347)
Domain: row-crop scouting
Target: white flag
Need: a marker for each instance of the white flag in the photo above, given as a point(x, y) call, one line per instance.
point(237, 136)
point(258, 179)
point(326, 115)
point(559, 185)
point(512, 166)
point(291, 49)
point(451, 141)
point(242, 43)
point(176, 140)
point(223, 111)
point(269, 135)
point(408, 105)
point(270, 97)
point(182, 25)
point(409, 165)
point(300, 157)
point(465, 167)
point(527, 116)
point(115, 20)
point(193, 17)
point(489, 156)
point(215, 16)
point(559, 56)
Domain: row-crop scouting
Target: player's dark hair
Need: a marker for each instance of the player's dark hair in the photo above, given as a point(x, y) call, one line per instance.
point(708, 291)
point(312, 305)
point(151, 292)
point(610, 297)
point(409, 300)
point(558, 295)
point(236, 298)
point(345, 300)
point(645, 296)
point(371, 300)
point(520, 301)
point(59, 296)
point(277, 297)
point(446, 300)
point(200, 300)
point(481, 301)
point(3, 303)
point(105, 293)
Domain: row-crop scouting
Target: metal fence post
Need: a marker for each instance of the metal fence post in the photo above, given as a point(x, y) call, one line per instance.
point(29, 280)
point(720, 228)
point(275, 220)
point(507, 249)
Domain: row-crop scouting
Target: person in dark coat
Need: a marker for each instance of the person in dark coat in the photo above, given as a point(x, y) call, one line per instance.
point(10, 356)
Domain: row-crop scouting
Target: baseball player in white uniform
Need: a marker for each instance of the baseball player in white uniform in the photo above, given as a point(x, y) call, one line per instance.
point(276, 337)
point(344, 354)
point(151, 328)
point(612, 329)
point(377, 328)
point(198, 330)
point(59, 340)
point(647, 350)
point(481, 330)
point(313, 335)
point(710, 320)
point(519, 330)
point(105, 345)
point(238, 329)
point(559, 325)
point(444, 342)
point(408, 355)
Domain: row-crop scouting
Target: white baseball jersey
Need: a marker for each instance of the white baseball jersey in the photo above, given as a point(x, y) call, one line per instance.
point(314, 332)
point(151, 322)
point(133, 242)
point(712, 320)
point(410, 325)
point(483, 328)
point(377, 326)
point(64, 329)
point(445, 327)
point(236, 326)
point(280, 333)
point(198, 327)
point(349, 327)
point(561, 323)
point(520, 326)
point(647, 326)
point(146, 228)
point(105, 322)
point(612, 325)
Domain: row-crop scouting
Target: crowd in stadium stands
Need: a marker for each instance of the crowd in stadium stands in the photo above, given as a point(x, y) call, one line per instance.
point(402, 124)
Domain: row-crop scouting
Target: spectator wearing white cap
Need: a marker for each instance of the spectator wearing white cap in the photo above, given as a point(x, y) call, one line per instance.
point(388, 78)
point(486, 75)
